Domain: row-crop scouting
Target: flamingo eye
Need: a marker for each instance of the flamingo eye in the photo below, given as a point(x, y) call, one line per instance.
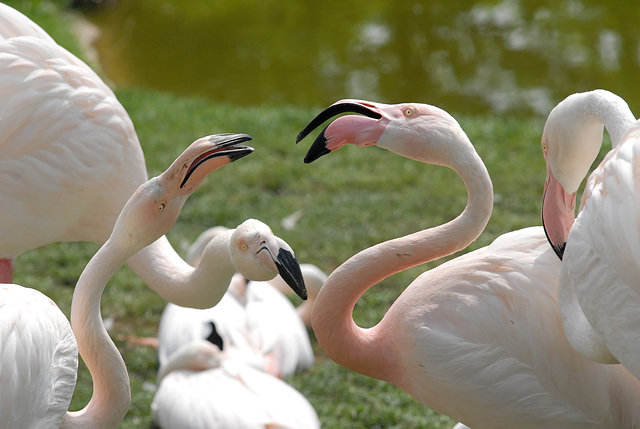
point(544, 147)
point(161, 207)
point(245, 246)
point(408, 111)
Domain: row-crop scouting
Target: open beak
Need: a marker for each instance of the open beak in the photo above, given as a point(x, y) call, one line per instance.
point(206, 155)
point(280, 254)
point(345, 130)
point(558, 213)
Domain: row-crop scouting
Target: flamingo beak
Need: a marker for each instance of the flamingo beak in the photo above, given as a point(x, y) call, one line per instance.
point(558, 213)
point(206, 155)
point(280, 253)
point(350, 129)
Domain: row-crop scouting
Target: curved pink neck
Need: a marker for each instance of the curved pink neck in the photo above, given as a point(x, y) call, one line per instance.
point(370, 351)
point(111, 392)
point(164, 271)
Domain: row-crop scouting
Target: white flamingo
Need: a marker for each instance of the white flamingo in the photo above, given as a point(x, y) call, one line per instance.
point(199, 387)
point(598, 292)
point(37, 349)
point(70, 159)
point(253, 317)
point(478, 338)
point(313, 276)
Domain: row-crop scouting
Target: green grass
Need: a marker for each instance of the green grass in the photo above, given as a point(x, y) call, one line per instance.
point(350, 200)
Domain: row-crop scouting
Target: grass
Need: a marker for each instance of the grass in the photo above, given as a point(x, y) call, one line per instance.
point(350, 200)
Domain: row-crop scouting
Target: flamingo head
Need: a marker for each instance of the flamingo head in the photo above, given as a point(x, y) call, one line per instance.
point(571, 140)
point(260, 255)
point(155, 205)
point(401, 128)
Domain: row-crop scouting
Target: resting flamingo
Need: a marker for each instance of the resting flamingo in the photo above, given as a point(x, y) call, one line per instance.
point(598, 292)
point(38, 352)
point(252, 317)
point(199, 387)
point(479, 338)
point(70, 159)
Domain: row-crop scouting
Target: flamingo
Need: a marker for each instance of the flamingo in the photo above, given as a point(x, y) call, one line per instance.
point(313, 276)
point(478, 338)
point(252, 316)
point(598, 292)
point(39, 351)
point(200, 387)
point(69, 160)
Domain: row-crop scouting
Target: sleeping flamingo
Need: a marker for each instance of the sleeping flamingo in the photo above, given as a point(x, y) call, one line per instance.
point(252, 317)
point(38, 352)
point(479, 338)
point(598, 291)
point(70, 159)
point(200, 387)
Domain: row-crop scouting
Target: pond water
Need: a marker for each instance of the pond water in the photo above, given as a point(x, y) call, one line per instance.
point(509, 56)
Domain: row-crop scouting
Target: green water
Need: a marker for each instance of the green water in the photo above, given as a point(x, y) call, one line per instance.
point(508, 56)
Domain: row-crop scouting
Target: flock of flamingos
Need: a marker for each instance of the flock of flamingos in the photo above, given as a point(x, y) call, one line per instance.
point(535, 330)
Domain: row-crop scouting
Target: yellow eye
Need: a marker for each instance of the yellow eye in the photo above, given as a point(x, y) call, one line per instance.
point(161, 207)
point(544, 147)
point(408, 111)
point(245, 246)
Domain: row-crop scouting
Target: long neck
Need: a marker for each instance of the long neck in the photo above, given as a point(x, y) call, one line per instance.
point(368, 351)
point(111, 393)
point(164, 271)
point(613, 112)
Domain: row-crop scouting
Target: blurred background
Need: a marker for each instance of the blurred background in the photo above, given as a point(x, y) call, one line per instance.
point(511, 56)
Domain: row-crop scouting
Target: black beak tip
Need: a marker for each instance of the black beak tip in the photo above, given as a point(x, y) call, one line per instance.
point(240, 152)
point(559, 249)
point(317, 149)
point(289, 270)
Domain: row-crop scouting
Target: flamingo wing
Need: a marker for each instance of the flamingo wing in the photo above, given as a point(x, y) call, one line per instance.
point(64, 137)
point(602, 260)
point(488, 336)
point(234, 395)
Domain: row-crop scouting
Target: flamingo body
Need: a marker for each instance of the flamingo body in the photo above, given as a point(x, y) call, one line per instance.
point(65, 135)
point(33, 329)
point(226, 394)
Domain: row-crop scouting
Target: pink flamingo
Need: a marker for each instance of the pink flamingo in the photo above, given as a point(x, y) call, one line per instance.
point(479, 338)
point(38, 351)
point(598, 292)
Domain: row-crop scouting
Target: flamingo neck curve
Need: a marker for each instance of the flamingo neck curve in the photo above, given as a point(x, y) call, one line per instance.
point(203, 286)
point(111, 392)
point(370, 351)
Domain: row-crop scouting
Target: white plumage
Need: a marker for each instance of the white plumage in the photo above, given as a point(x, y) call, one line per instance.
point(599, 293)
point(200, 388)
point(33, 330)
